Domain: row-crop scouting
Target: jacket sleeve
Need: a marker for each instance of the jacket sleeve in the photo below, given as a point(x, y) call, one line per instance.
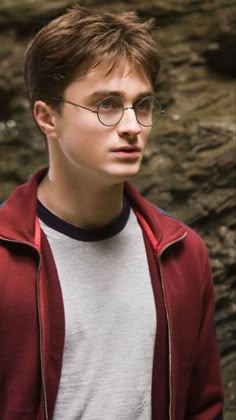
point(205, 398)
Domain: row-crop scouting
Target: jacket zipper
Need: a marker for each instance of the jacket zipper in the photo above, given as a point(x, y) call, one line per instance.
point(40, 322)
point(168, 319)
point(41, 340)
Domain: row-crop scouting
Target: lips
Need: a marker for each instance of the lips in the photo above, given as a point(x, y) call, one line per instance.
point(127, 153)
point(128, 149)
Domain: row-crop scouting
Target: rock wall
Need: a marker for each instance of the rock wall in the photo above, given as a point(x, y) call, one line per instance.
point(189, 165)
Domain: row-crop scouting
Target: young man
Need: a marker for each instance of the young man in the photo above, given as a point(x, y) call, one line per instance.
point(106, 303)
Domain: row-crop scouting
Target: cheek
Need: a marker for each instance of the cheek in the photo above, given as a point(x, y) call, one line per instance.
point(83, 143)
point(145, 135)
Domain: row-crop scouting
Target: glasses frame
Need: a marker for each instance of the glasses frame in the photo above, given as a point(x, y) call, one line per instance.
point(65, 101)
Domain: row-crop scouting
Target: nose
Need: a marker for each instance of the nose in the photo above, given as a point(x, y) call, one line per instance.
point(129, 125)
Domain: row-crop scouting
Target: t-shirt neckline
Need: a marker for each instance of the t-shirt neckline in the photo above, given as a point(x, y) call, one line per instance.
point(83, 234)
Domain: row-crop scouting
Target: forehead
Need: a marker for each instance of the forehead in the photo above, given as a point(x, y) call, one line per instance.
point(123, 78)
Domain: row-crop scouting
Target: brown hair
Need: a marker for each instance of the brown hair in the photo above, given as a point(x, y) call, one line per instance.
point(79, 40)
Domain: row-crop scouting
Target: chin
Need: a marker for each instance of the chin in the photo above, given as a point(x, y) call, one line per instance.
point(124, 176)
point(118, 174)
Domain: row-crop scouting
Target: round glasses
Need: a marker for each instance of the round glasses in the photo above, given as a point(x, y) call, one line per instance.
point(110, 110)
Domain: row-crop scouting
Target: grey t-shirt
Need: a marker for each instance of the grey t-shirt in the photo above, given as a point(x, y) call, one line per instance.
point(110, 319)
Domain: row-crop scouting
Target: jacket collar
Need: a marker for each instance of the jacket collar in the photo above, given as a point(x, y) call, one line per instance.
point(161, 229)
point(18, 216)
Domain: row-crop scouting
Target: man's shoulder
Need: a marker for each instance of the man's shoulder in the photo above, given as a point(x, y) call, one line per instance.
point(164, 225)
point(193, 243)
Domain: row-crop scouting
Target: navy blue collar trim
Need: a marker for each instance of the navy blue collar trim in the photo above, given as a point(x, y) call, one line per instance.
point(81, 234)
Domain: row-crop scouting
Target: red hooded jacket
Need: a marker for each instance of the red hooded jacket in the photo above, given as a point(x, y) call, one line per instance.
point(186, 373)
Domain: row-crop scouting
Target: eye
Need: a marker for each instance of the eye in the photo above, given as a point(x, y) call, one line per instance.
point(110, 104)
point(144, 105)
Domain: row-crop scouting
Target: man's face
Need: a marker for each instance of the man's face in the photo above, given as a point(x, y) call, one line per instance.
point(86, 147)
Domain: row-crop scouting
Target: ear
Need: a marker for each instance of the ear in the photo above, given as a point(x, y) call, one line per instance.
point(45, 118)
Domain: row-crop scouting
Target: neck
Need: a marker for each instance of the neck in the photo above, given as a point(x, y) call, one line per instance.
point(81, 202)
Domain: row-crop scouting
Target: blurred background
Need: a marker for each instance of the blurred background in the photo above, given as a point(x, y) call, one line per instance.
point(189, 165)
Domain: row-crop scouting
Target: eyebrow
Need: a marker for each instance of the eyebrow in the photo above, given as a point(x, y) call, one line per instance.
point(104, 93)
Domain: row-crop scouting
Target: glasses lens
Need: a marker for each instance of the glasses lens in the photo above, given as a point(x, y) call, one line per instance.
point(148, 111)
point(110, 111)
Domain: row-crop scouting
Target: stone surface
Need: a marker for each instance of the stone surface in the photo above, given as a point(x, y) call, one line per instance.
point(189, 165)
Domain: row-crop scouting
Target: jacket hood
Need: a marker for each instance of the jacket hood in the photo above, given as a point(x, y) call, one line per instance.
point(17, 215)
